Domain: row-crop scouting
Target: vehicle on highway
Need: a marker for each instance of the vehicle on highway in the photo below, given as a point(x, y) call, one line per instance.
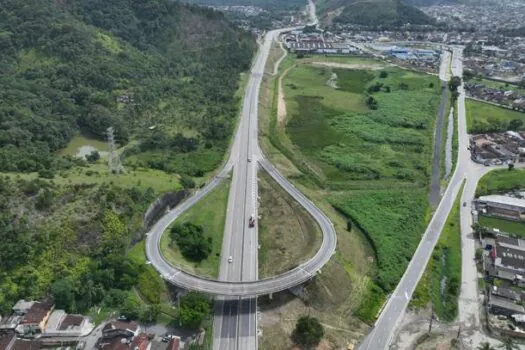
point(249, 159)
point(251, 222)
point(230, 259)
point(464, 204)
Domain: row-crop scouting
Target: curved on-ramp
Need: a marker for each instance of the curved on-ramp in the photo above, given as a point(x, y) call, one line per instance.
point(289, 279)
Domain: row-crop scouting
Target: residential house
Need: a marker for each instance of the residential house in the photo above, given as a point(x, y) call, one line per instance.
point(505, 307)
point(505, 207)
point(61, 324)
point(120, 328)
point(507, 260)
point(36, 317)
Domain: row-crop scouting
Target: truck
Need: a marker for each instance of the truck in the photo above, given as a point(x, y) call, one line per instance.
point(251, 222)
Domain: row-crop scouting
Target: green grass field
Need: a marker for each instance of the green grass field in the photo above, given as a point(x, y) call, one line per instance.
point(484, 117)
point(496, 84)
point(444, 267)
point(501, 181)
point(288, 235)
point(374, 165)
point(98, 173)
point(210, 213)
point(512, 227)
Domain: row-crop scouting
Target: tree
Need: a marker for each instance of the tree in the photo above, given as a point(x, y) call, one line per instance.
point(454, 83)
point(485, 346)
point(371, 102)
point(186, 181)
point(308, 331)
point(511, 166)
point(63, 291)
point(191, 241)
point(131, 308)
point(194, 307)
point(93, 157)
point(509, 344)
point(431, 85)
point(383, 74)
point(515, 124)
point(349, 225)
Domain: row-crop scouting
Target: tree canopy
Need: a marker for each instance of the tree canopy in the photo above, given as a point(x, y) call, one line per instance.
point(82, 66)
point(308, 331)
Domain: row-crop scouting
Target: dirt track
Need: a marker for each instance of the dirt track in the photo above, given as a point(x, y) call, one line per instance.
point(348, 65)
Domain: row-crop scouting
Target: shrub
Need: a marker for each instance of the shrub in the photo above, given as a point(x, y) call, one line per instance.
point(191, 241)
point(308, 331)
point(186, 181)
point(383, 74)
point(194, 307)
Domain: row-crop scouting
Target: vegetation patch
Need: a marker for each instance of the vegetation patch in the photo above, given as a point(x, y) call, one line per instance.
point(501, 181)
point(288, 235)
point(441, 281)
point(484, 117)
point(393, 220)
point(507, 226)
point(208, 217)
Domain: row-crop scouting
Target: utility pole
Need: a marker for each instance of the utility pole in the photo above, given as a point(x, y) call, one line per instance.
point(114, 164)
point(431, 318)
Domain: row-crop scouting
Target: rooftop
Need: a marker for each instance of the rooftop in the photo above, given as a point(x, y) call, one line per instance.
point(506, 304)
point(506, 200)
point(38, 311)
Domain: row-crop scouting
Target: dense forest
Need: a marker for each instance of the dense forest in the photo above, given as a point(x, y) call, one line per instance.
point(71, 67)
point(376, 12)
point(75, 66)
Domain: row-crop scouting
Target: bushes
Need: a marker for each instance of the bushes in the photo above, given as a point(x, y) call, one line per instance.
point(308, 331)
point(194, 308)
point(191, 241)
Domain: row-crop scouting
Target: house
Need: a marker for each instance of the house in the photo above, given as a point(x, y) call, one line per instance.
point(506, 207)
point(505, 307)
point(506, 293)
point(141, 342)
point(174, 344)
point(36, 317)
point(22, 307)
point(507, 259)
point(120, 328)
point(61, 324)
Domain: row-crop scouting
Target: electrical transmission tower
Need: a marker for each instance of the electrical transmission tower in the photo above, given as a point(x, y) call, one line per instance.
point(114, 164)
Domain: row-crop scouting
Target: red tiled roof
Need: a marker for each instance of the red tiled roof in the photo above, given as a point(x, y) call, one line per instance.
point(38, 311)
point(140, 342)
point(174, 344)
point(71, 320)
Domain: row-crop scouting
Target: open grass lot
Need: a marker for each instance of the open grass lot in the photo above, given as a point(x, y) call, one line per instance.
point(501, 181)
point(507, 226)
point(347, 143)
point(288, 235)
point(496, 84)
point(79, 141)
point(98, 173)
point(444, 267)
point(484, 117)
point(376, 162)
point(210, 213)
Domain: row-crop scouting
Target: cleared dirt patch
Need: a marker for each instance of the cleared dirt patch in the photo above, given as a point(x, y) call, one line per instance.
point(287, 233)
point(281, 106)
point(348, 65)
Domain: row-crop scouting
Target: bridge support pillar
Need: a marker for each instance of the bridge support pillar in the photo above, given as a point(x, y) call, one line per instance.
point(270, 296)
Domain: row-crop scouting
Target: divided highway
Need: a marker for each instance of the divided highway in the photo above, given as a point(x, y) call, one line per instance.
point(245, 143)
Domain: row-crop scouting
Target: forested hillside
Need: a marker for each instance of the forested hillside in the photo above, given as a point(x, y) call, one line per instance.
point(374, 12)
point(82, 65)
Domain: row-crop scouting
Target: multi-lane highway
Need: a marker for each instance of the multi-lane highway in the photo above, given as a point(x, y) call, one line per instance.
point(238, 284)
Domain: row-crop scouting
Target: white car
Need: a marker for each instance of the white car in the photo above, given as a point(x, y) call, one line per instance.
point(230, 259)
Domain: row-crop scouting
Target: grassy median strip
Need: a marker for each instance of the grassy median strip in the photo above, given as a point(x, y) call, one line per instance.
point(440, 284)
point(288, 235)
point(210, 213)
